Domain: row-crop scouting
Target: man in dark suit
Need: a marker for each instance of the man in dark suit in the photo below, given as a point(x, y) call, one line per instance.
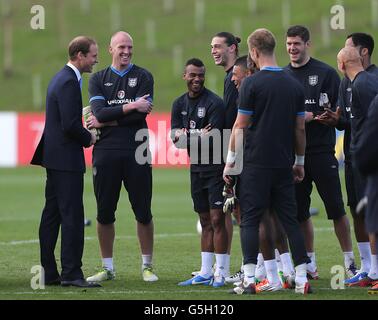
point(60, 151)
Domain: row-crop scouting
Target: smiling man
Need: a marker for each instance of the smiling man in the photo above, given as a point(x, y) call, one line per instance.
point(60, 151)
point(197, 115)
point(225, 51)
point(120, 99)
point(320, 83)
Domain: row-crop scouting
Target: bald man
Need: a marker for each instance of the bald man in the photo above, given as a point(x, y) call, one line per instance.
point(121, 98)
point(364, 89)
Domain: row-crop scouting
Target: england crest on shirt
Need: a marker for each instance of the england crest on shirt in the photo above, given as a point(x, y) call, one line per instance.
point(132, 82)
point(201, 112)
point(313, 80)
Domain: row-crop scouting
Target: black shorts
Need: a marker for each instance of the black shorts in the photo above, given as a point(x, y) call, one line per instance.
point(349, 185)
point(110, 169)
point(206, 189)
point(323, 170)
point(371, 212)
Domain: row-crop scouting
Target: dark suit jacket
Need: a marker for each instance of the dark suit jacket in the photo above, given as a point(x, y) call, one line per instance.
point(63, 138)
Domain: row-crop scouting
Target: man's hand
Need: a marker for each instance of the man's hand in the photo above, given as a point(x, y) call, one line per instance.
point(227, 173)
point(179, 133)
point(143, 105)
point(298, 172)
point(230, 199)
point(92, 123)
point(206, 130)
point(329, 117)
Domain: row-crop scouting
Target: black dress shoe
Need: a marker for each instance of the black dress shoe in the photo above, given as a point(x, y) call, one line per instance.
point(54, 282)
point(80, 283)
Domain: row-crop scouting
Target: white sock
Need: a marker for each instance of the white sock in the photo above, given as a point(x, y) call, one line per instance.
point(348, 259)
point(312, 265)
point(146, 260)
point(227, 266)
point(260, 272)
point(373, 274)
point(301, 274)
point(107, 263)
point(287, 264)
point(206, 264)
point(260, 259)
point(278, 260)
point(272, 271)
point(221, 260)
point(249, 273)
point(242, 266)
point(365, 255)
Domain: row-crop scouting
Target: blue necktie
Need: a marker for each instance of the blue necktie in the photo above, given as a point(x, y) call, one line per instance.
point(81, 83)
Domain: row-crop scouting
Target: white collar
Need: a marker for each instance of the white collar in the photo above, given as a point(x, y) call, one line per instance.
point(77, 72)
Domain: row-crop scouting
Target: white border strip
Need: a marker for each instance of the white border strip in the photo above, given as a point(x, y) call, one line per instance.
point(8, 139)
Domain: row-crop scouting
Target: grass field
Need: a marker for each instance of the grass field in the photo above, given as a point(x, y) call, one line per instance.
point(39, 54)
point(176, 245)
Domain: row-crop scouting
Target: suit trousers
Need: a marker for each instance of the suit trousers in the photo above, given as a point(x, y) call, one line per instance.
point(63, 209)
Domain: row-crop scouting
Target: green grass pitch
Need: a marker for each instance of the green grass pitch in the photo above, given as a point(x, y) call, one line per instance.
point(177, 250)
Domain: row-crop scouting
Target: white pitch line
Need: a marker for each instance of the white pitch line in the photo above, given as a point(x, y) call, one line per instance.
point(157, 236)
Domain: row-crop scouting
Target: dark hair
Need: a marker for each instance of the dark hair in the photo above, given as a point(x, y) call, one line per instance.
point(80, 44)
point(299, 31)
point(364, 40)
point(241, 62)
point(230, 39)
point(195, 62)
point(246, 64)
point(263, 40)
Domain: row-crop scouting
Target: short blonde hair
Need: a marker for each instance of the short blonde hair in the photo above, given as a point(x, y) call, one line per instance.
point(263, 40)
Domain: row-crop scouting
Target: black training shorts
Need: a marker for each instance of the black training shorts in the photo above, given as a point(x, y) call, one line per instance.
point(206, 190)
point(111, 168)
point(323, 170)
